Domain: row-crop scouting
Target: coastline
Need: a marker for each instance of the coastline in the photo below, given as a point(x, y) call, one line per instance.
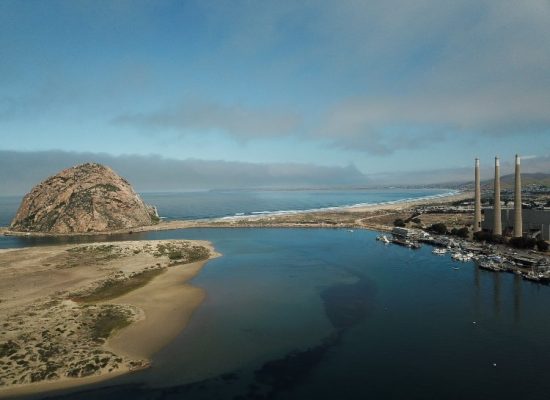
point(283, 219)
point(170, 301)
point(166, 300)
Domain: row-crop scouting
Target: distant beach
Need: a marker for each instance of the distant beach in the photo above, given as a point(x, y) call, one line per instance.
point(287, 218)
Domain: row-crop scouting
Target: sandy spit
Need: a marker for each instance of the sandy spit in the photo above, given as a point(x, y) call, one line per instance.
point(39, 310)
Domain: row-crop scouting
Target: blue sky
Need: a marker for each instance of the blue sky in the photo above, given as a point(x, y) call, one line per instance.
point(389, 86)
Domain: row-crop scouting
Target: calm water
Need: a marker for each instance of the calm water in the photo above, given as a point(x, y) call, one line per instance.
point(211, 204)
point(332, 314)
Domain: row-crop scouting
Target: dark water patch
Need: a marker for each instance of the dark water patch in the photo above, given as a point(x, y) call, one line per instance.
point(348, 304)
point(281, 375)
point(221, 387)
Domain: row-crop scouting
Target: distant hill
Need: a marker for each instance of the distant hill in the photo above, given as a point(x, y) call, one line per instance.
point(538, 178)
point(507, 181)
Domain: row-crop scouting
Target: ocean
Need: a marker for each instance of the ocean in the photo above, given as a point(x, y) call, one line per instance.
point(231, 203)
point(335, 314)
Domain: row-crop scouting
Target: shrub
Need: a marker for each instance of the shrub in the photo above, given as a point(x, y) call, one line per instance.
point(461, 232)
point(523, 242)
point(175, 255)
point(498, 239)
point(439, 228)
point(399, 222)
point(483, 236)
point(542, 245)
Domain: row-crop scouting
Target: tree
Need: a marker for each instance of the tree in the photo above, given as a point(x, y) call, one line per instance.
point(439, 228)
point(399, 222)
point(483, 236)
point(523, 242)
point(497, 239)
point(542, 245)
point(462, 232)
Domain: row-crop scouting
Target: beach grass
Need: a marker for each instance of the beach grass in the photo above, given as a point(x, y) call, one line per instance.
point(108, 320)
point(113, 288)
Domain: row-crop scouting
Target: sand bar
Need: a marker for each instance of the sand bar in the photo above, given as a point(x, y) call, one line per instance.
point(77, 314)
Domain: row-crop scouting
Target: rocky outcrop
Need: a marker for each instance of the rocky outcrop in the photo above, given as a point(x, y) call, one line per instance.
point(85, 198)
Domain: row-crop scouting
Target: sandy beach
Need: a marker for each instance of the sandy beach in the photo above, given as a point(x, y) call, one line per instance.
point(77, 314)
point(167, 301)
point(345, 217)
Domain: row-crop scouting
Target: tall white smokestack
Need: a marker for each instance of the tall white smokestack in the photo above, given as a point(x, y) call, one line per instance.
point(497, 221)
point(477, 205)
point(518, 220)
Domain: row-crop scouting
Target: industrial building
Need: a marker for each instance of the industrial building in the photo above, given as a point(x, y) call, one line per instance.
point(536, 223)
point(512, 222)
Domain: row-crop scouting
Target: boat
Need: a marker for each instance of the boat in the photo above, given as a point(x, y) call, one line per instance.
point(489, 265)
point(531, 276)
point(407, 243)
point(456, 256)
point(463, 257)
point(383, 239)
point(439, 252)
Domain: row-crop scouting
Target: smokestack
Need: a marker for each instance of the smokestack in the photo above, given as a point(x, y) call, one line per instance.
point(497, 223)
point(518, 220)
point(477, 205)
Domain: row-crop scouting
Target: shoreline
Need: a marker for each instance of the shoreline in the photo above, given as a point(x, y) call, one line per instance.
point(274, 219)
point(167, 300)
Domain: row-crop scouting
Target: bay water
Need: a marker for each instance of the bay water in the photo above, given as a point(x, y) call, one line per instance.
point(335, 314)
point(330, 313)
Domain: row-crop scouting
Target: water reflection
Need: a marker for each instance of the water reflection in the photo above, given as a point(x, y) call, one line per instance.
point(496, 293)
point(517, 298)
point(497, 279)
point(477, 290)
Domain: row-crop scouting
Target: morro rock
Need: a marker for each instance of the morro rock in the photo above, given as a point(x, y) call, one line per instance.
point(85, 198)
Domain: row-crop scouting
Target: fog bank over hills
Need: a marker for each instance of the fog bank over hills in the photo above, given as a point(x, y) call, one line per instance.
point(20, 171)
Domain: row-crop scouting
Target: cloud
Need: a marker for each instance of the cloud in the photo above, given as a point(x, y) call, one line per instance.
point(239, 121)
point(529, 164)
point(422, 71)
point(376, 77)
point(435, 70)
point(20, 171)
point(403, 74)
point(382, 125)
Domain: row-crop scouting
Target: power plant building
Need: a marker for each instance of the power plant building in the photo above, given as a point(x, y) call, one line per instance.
point(536, 223)
point(516, 221)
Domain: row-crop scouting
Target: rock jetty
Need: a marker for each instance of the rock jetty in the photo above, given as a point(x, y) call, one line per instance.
point(85, 198)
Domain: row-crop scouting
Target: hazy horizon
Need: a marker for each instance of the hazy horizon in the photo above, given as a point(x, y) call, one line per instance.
point(20, 171)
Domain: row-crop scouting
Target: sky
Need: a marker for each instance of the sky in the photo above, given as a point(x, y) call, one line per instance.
point(368, 90)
